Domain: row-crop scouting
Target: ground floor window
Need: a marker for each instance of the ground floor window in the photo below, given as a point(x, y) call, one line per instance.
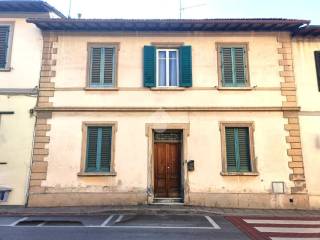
point(237, 150)
point(98, 148)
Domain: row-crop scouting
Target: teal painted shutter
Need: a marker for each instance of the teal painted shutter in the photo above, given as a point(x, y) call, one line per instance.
point(106, 149)
point(96, 66)
point(238, 149)
point(99, 142)
point(92, 147)
point(244, 150)
point(231, 150)
point(185, 66)
point(102, 67)
point(317, 58)
point(4, 42)
point(226, 66)
point(109, 60)
point(233, 66)
point(239, 66)
point(149, 66)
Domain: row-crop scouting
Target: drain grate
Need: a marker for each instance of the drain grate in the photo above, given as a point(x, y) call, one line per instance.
point(63, 223)
point(29, 223)
point(49, 223)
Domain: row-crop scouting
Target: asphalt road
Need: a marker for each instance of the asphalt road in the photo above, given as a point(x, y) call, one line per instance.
point(119, 227)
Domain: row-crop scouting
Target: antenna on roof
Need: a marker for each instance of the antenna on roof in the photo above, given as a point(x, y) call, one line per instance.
point(69, 14)
point(193, 6)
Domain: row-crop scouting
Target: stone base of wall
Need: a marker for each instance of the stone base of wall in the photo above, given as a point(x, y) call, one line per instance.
point(314, 201)
point(250, 200)
point(85, 199)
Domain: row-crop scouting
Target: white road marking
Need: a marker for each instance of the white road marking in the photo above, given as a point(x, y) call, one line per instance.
point(137, 227)
point(107, 221)
point(119, 219)
point(287, 230)
point(271, 221)
point(285, 238)
point(16, 222)
point(41, 224)
point(212, 222)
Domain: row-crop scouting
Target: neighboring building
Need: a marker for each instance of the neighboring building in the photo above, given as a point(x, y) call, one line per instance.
point(306, 52)
point(146, 111)
point(20, 64)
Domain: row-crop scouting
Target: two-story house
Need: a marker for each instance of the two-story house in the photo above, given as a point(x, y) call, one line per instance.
point(306, 52)
point(200, 112)
point(20, 64)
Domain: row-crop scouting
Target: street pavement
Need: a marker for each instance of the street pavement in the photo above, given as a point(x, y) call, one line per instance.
point(119, 226)
point(158, 226)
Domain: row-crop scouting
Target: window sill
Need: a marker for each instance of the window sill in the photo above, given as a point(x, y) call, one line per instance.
point(5, 69)
point(101, 89)
point(235, 88)
point(253, 174)
point(96, 174)
point(168, 89)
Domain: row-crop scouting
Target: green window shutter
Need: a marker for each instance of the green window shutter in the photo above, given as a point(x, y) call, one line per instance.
point(238, 149)
point(106, 149)
point(102, 67)
point(149, 66)
point(239, 66)
point(99, 149)
point(4, 43)
point(185, 66)
point(244, 150)
point(92, 143)
point(227, 67)
point(317, 58)
point(230, 150)
point(233, 66)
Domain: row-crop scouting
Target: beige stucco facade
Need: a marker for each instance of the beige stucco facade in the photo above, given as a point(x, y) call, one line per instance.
point(309, 100)
point(18, 96)
point(65, 104)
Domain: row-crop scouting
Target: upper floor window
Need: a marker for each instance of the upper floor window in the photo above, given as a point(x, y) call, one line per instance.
point(317, 59)
point(170, 67)
point(102, 73)
point(167, 68)
point(5, 42)
point(233, 67)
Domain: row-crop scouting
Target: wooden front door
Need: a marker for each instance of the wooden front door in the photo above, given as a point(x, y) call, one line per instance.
point(167, 169)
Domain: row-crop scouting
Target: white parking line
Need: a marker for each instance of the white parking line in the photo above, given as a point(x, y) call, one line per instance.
point(119, 219)
point(16, 222)
point(213, 223)
point(107, 221)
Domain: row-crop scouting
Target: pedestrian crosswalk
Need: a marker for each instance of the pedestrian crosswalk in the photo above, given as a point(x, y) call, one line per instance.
point(278, 228)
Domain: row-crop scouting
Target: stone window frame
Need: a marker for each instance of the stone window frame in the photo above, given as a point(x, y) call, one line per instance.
point(116, 46)
point(8, 66)
point(233, 44)
point(253, 160)
point(85, 125)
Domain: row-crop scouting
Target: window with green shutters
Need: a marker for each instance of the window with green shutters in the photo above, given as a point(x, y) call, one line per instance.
point(237, 142)
point(99, 149)
point(233, 64)
point(4, 46)
point(167, 67)
point(102, 66)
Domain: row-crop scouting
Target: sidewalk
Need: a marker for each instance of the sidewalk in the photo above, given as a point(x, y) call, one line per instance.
point(153, 209)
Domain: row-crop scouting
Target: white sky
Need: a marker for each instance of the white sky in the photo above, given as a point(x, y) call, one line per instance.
point(301, 9)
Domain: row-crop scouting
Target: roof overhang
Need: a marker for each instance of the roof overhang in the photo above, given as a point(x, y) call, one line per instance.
point(169, 25)
point(308, 31)
point(28, 6)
